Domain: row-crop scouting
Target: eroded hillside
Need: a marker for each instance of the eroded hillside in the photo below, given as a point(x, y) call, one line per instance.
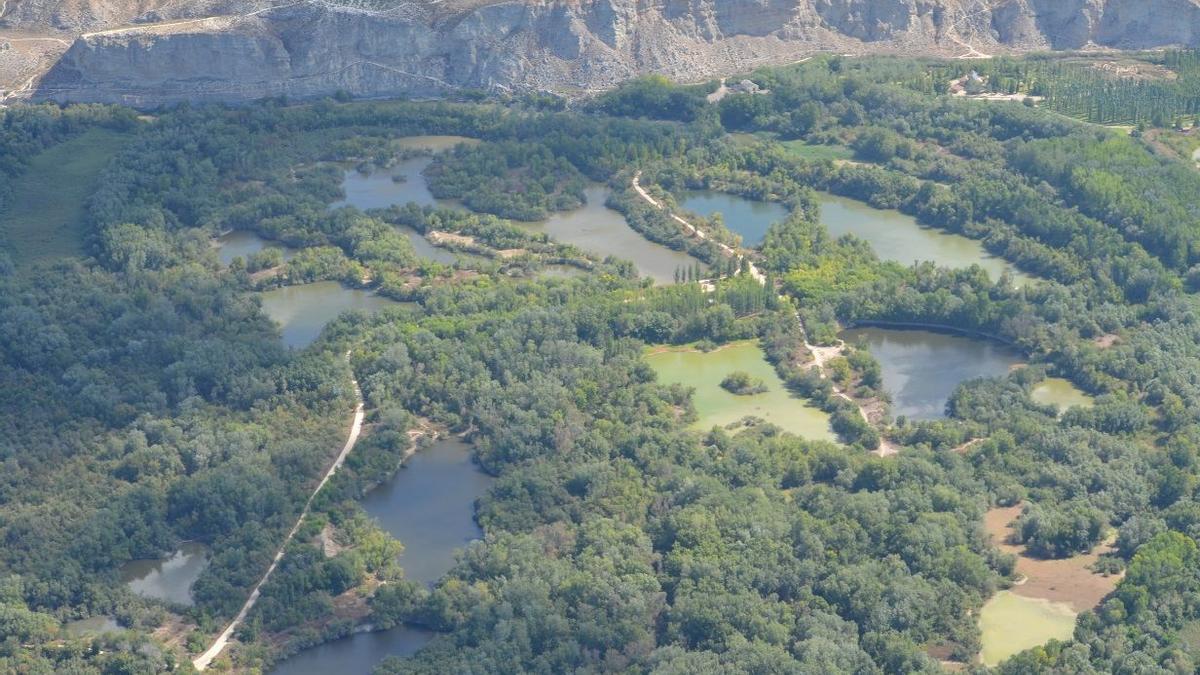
point(152, 51)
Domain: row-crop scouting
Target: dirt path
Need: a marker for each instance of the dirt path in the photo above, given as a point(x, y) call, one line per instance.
point(694, 231)
point(962, 449)
point(972, 52)
point(37, 39)
point(821, 355)
point(201, 662)
point(719, 94)
point(187, 22)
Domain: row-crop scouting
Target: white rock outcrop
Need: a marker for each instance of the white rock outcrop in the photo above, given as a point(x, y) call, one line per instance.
point(309, 48)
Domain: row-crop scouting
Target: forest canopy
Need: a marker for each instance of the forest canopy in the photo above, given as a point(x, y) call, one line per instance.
point(148, 399)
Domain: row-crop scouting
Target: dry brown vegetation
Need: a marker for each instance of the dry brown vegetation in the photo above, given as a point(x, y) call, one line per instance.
point(1067, 580)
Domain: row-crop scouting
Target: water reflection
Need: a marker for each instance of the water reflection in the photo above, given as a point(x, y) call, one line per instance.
point(921, 368)
point(604, 232)
point(747, 217)
point(358, 653)
point(168, 579)
point(429, 507)
point(303, 311)
point(898, 237)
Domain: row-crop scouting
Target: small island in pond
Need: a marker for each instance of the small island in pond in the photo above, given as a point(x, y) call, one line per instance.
point(740, 382)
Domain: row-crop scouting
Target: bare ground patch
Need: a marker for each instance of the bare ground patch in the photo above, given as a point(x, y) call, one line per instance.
point(1067, 580)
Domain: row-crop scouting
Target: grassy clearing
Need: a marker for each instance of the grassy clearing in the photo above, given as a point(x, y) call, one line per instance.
point(45, 218)
point(1189, 638)
point(804, 150)
point(1182, 145)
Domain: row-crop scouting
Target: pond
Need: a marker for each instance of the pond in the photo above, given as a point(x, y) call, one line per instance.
point(602, 231)
point(747, 217)
point(594, 227)
point(717, 407)
point(358, 653)
point(302, 311)
point(896, 236)
point(922, 368)
point(243, 244)
point(1061, 394)
point(400, 184)
point(169, 579)
point(430, 507)
point(1011, 624)
point(397, 186)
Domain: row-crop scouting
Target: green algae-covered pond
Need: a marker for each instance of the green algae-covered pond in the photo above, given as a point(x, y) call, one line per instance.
point(1011, 623)
point(718, 407)
point(1061, 394)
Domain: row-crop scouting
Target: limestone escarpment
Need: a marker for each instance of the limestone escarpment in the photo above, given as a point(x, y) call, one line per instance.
point(309, 48)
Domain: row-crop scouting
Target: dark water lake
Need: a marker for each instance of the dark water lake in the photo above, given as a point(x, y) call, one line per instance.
point(303, 311)
point(169, 579)
point(430, 507)
point(898, 237)
point(747, 217)
point(922, 368)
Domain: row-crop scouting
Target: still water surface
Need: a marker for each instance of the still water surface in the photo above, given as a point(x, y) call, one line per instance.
point(430, 507)
point(1061, 394)
point(397, 186)
point(96, 625)
point(243, 244)
point(600, 230)
point(921, 368)
point(717, 407)
point(302, 311)
point(434, 143)
point(594, 227)
point(1011, 623)
point(169, 579)
point(355, 655)
point(747, 217)
point(896, 236)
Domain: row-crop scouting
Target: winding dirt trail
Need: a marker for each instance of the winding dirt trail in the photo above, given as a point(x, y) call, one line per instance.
point(821, 355)
point(958, 25)
point(201, 662)
point(150, 27)
point(694, 231)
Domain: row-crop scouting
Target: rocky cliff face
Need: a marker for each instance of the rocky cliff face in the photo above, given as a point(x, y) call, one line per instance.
point(303, 49)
